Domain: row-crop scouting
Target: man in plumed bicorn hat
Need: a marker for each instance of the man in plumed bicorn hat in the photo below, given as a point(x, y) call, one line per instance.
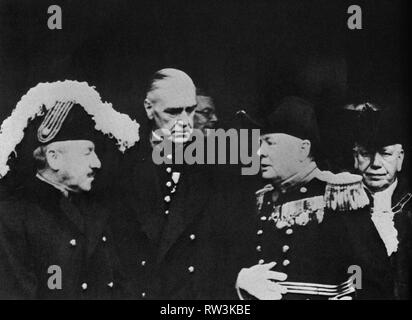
point(298, 252)
point(382, 234)
point(55, 241)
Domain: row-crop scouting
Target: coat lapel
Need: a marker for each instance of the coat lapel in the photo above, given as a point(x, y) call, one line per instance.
point(187, 206)
point(145, 199)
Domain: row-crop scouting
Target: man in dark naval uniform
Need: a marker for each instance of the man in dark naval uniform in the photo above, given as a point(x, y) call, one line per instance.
point(298, 253)
point(383, 234)
point(55, 242)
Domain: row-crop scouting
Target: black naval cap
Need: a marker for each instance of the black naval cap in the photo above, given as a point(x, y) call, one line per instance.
point(293, 116)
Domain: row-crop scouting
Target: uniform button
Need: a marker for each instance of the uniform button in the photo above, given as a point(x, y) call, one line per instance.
point(285, 263)
point(192, 237)
point(191, 269)
point(169, 156)
point(263, 218)
point(268, 203)
point(285, 248)
point(104, 239)
point(143, 263)
point(166, 212)
point(143, 294)
point(259, 232)
point(259, 248)
point(84, 286)
point(110, 284)
point(168, 169)
point(289, 231)
point(73, 242)
point(167, 198)
point(261, 261)
point(168, 184)
point(303, 190)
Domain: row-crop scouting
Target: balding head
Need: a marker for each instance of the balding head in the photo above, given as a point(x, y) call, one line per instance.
point(170, 103)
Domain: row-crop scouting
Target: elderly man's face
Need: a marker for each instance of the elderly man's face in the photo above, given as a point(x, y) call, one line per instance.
point(281, 155)
point(74, 163)
point(172, 110)
point(379, 168)
point(205, 114)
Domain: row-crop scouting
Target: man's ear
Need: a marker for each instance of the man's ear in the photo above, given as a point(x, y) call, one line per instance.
point(53, 158)
point(149, 108)
point(305, 150)
point(401, 156)
point(355, 162)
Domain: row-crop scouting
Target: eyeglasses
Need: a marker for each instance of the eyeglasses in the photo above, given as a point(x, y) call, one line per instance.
point(206, 112)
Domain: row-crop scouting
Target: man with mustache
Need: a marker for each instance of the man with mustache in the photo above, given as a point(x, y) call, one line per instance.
point(177, 218)
point(385, 231)
point(55, 240)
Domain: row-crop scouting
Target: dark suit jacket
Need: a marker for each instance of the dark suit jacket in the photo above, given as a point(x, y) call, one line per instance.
point(184, 255)
point(382, 277)
point(40, 228)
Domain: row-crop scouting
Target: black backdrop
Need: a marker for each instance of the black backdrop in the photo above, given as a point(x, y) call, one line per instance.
point(248, 54)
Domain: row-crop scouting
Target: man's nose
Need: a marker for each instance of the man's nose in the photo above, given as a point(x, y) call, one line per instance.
point(261, 152)
point(376, 161)
point(213, 118)
point(96, 163)
point(184, 119)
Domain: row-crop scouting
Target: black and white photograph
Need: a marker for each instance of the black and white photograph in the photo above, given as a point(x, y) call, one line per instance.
point(222, 152)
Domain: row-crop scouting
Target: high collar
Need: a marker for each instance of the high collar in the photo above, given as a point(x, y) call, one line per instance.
point(382, 200)
point(302, 177)
point(65, 190)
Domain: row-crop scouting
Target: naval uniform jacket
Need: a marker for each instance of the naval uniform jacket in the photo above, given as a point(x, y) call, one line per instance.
point(315, 250)
point(174, 238)
point(40, 228)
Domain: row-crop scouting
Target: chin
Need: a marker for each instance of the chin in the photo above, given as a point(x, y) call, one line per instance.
point(267, 175)
point(181, 139)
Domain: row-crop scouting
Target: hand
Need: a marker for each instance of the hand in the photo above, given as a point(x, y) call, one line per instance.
point(258, 281)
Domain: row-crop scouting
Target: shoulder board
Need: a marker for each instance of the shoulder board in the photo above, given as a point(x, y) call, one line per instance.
point(344, 191)
point(260, 194)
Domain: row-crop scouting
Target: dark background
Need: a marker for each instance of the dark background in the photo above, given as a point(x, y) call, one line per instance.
point(247, 54)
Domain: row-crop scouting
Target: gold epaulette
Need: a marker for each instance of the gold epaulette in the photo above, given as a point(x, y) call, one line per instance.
point(260, 194)
point(344, 191)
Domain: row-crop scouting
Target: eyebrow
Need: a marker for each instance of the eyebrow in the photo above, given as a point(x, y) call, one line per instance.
point(179, 109)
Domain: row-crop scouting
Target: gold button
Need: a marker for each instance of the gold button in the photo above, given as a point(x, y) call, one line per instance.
point(143, 294)
point(168, 169)
point(259, 248)
point(263, 218)
point(169, 156)
point(285, 248)
point(143, 263)
point(192, 237)
point(167, 198)
point(259, 232)
point(166, 212)
point(191, 269)
point(84, 286)
point(110, 284)
point(73, 242)
point(168, 184)
point(289, 231)
point(104, 239)
point(303, 190)
point(261, 261)
point(285, 263)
